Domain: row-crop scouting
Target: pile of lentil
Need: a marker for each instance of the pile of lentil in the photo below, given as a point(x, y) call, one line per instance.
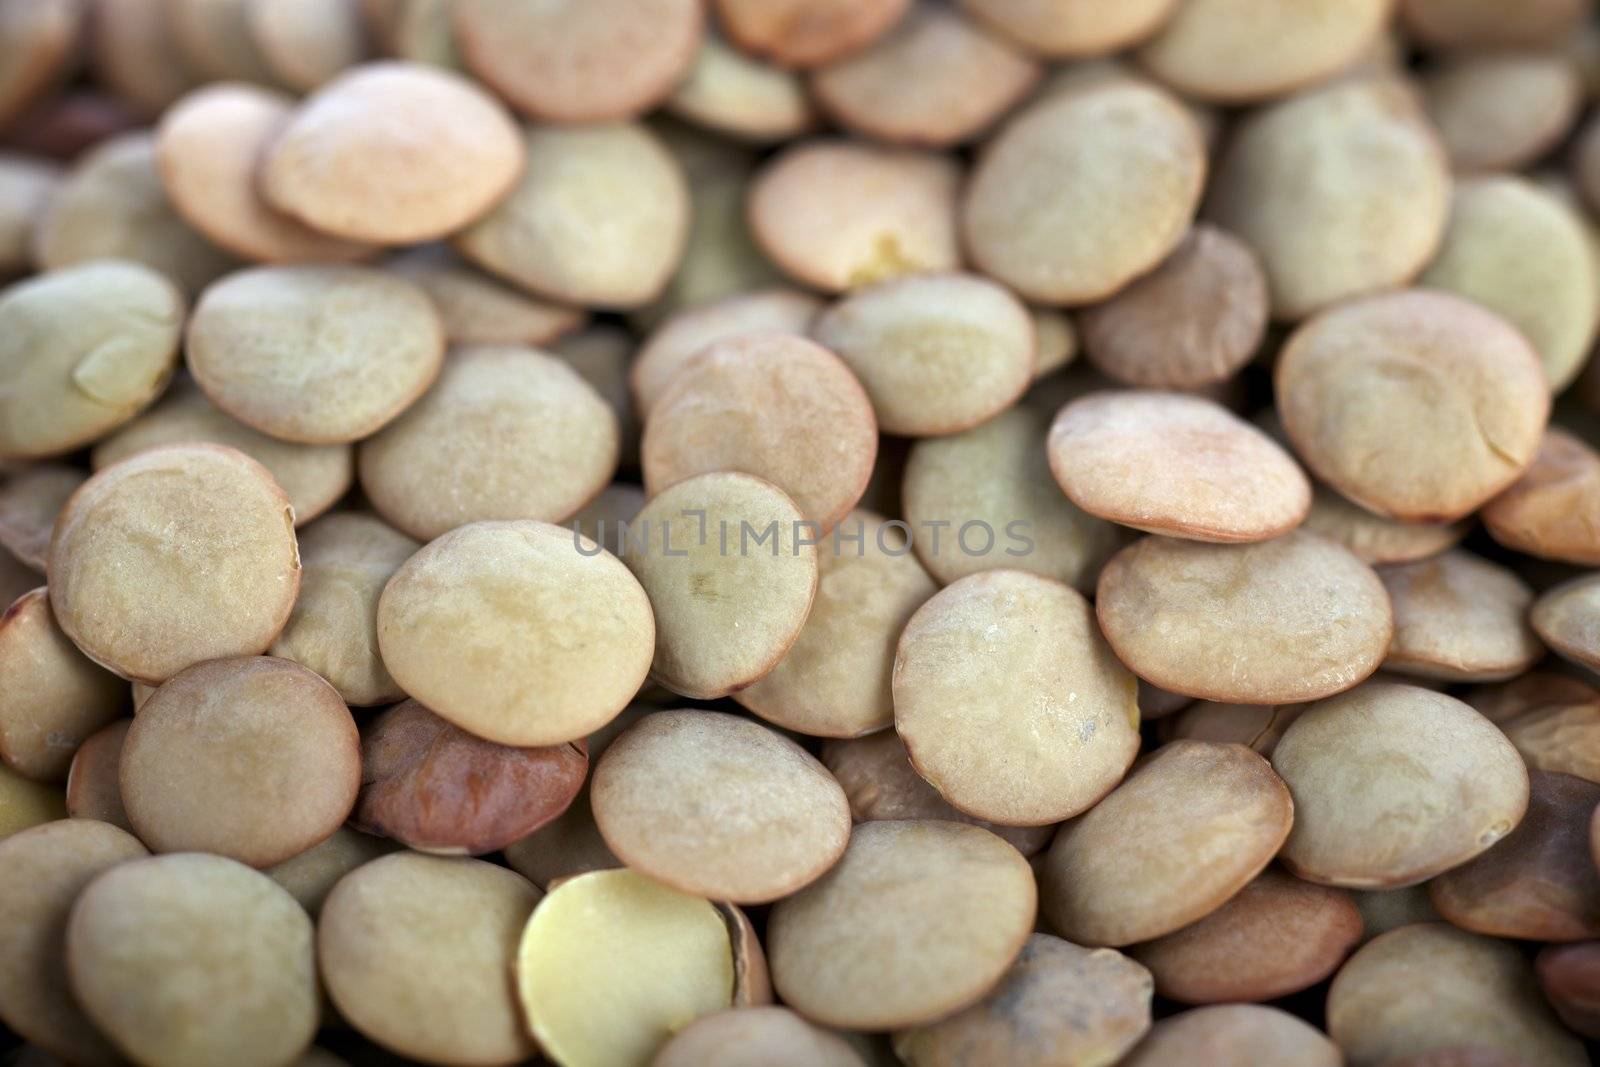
point(799, 533)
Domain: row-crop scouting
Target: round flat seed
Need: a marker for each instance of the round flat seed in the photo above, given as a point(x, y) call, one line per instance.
point(1464, 384)
point(150, 940)
point(1562, 736)
point(727, 609)
point(307, 42)
point(26, 185)
point(1374, 538)
point(1341, 191)
point(1175, 464)
point(83, 350)
point(689, 332)
point(478, 309)
point(1063, 29)
point(317, 355)
point(1207, 818)
point(1239, 51)
point(807, 33)
point(311, 876)
point(51, 696)
point(1193, 321)
point(218, 580)
point(416, 952)
point(1567, 618)
point(1138, 164)
point(506, 433)
point(579, 62)
point(1059, 1004)
point(730, 92)
point(37, 50)
point(1393, 784)
point(936, 353)
point(112, 205)
point(884, 92)
point(1459, 618)
point(1277, 936)
point(1526, 255)
point(1300, 616)
point(436, 788)
point(1257, 726)
point(1553, 510)
point(835, 215)
point(29, 504)
point(1429, 986)
point(772, 1037)
point(1540, 883)
point(208, 145)
point(1569, 975)
point(253, 758)
point(1010, 702)
point(1235, 1033)
point(881, 784)
point(772, 405)
point(612, 964)
point(479, 627)
point(94, 789)
point(997, 476)
point(719, 806)
point(347, 163)
point(889, 938)
point(1490, 23)
point(835, 680)
point(42, 871)
point(313, 477)
point(599, 217)
point(345, 560)
point(1502, 112)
